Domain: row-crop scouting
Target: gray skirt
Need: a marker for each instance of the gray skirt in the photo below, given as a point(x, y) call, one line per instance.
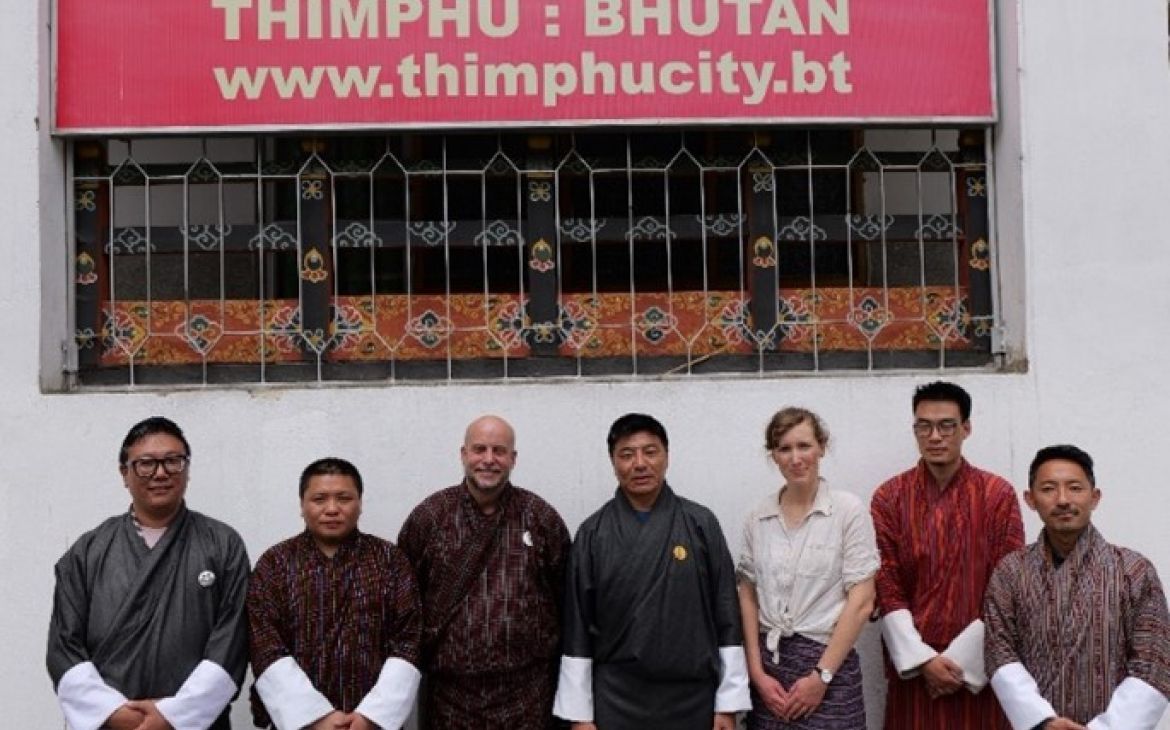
point(843, 707)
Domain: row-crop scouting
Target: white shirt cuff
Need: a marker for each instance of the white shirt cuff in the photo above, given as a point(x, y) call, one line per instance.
point(1020, 697)
point(389, 703)
point(574, 700)
point(966, 650)
point(201, 699)
point(1135, 705)
point(733, 694)
point(907, 650)
point(86, 700)
point(289, 696)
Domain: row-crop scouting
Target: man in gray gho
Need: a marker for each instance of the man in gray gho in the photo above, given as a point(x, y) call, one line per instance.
point(652, 635)
point(148, 629)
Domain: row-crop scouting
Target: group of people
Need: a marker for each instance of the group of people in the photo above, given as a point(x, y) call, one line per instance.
point(485, 615)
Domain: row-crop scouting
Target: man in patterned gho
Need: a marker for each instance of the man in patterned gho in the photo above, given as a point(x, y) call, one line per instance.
point(148, 629)
point(334, 617)
point(653, 639)
point(1078, 634)
point(490, 559)
point(941, 527)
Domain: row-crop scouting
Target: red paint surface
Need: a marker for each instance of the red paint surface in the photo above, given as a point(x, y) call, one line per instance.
point(125, 64)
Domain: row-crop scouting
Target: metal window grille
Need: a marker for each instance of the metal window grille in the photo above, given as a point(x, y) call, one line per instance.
point(515, 255)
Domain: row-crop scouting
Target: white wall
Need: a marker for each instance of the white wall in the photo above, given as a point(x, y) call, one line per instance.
point(1091, 272)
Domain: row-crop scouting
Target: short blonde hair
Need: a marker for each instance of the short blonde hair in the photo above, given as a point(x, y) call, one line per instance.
point(788, 418)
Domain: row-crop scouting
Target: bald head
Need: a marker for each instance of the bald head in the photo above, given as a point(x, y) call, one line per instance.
point(489, 424)
point(488, 455)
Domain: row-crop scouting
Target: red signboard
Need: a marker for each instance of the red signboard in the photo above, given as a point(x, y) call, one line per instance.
point(129, 65)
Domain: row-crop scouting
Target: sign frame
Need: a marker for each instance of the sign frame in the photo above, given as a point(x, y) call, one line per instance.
point(533, 122)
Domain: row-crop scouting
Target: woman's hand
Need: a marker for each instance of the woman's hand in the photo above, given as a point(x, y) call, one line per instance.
point(805, 697)
point(775, 697)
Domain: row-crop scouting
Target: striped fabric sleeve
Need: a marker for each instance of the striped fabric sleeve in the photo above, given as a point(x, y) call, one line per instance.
point(1001, 628)
point(890, 594)
point(1149, 648)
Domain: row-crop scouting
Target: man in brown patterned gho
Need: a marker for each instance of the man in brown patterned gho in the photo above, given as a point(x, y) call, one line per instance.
point(490, 561)
point(333, 615)
point(1078, 634)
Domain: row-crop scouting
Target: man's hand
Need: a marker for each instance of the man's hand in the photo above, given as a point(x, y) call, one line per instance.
point(152, 719)
point(124, 718)
point(582, 726)
point(358, 721)
point(1062, 723)
point(724, 721)
point(773, 694)
point(942, 676)
point(336, 720)
point(805, 697)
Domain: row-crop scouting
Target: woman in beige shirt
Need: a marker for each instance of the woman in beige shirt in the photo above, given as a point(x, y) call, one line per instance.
point(806, 588)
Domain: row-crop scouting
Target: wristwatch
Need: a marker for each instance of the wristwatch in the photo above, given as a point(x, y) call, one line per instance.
point(825, 675)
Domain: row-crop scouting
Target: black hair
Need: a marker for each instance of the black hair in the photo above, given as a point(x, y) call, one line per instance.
point(941, 390)
point(330, 465)
point(633, 423)
point(1063, 452)
point(149, 427)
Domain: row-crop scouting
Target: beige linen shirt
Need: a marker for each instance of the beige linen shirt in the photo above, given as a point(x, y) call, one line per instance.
point(801, 574)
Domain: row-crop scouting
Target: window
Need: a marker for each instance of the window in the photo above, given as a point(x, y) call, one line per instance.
point(525, 254)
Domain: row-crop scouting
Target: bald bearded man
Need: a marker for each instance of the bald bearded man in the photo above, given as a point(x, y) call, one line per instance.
point(490, 560)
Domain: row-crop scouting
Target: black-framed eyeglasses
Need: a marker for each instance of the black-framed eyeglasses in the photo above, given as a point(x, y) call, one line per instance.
point(148, 465)
point(946, 427)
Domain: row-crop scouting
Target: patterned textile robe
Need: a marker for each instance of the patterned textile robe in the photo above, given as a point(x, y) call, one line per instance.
point(492, 587)
point(939, 546)
point(1082, 628)
point(340, 618)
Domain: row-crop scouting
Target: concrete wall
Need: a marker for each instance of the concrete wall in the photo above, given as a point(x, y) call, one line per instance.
point(1083, 189)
